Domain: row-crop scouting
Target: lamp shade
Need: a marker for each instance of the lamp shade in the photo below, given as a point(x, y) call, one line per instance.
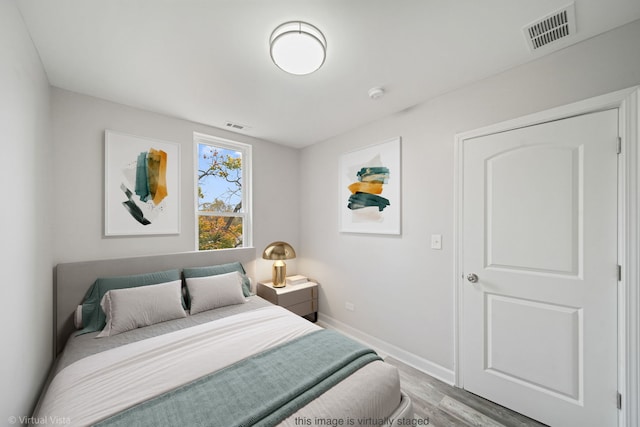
point(298, 47)
point(279, 251)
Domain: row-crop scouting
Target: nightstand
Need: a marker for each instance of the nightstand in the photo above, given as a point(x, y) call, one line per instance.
point(300, 299)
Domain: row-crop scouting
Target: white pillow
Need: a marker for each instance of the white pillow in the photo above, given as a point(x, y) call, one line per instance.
point(209, 292)
point(132, 308)
point(77, 317)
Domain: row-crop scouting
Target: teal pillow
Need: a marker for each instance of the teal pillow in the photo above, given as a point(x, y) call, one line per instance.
point(214, 270)
point(93, 318)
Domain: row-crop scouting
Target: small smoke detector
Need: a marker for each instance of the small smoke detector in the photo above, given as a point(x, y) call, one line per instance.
point(376, 92)
point(551, 28)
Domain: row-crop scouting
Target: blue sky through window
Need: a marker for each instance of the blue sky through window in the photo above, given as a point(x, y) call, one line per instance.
point(214, 187)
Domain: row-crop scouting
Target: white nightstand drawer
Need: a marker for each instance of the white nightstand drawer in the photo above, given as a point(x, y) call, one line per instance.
point(296, 297)
point(303, 308)
point(301, 299)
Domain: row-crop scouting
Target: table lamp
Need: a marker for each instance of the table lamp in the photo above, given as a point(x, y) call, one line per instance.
point(278, 252)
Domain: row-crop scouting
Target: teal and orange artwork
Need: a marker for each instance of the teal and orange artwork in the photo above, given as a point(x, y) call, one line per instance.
point(142, 191)
point(365, 192)
point(370, 191)
point(149, 184)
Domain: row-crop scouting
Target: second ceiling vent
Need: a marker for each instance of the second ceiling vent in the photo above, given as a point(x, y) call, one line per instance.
point(553, 27)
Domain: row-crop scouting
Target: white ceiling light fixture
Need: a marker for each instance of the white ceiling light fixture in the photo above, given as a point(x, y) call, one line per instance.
point(298, 47)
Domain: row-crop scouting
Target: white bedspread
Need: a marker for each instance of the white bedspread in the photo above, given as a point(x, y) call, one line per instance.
point(106, 383)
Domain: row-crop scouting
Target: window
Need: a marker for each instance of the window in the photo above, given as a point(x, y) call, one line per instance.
point(223, 189)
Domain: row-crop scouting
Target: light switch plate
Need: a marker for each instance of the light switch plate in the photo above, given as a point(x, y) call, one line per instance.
point(436, 241)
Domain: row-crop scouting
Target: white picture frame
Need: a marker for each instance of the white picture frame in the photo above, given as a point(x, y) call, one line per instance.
point(129, 208)
point(366, 204)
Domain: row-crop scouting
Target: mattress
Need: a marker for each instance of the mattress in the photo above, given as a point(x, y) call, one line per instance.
point(96, 378)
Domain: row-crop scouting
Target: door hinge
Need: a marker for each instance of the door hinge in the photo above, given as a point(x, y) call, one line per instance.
point(619, 273)
point(619, 399)
point(619, 148)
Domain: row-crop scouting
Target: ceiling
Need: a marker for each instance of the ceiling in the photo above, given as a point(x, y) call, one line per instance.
point(208, 60)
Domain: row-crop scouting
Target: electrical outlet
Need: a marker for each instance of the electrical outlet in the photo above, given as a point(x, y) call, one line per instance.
point(350, 306)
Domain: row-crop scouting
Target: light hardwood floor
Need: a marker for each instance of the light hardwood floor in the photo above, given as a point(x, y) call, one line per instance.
point(447, 406)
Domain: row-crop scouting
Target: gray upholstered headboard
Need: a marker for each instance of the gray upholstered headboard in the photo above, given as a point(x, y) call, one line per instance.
point(74, 279)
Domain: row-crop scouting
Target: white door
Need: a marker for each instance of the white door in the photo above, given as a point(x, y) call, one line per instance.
point(539, 330)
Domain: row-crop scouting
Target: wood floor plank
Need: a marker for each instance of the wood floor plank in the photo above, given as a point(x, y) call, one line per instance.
point(423, 389)
point(450, 406)
point(467, 414)
point(439, 418)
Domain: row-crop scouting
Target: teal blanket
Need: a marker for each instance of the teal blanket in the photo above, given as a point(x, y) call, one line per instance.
point(261, 390)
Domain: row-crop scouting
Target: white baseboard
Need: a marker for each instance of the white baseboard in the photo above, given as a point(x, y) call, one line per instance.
point(384, 348)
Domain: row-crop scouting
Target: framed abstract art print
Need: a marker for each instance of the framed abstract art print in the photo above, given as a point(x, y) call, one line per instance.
point(142, 195)
point(370, 189)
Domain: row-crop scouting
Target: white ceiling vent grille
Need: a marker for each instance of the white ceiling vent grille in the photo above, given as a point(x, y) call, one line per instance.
point(236, 126)
point(553, 27)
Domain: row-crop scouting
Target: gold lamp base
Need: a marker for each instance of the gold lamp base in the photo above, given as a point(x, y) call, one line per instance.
point(279, 274)
point(279, 251)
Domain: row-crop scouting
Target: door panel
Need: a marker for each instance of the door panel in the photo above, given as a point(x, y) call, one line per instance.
point(540, 232)
point(548, 336)
point(546, 217)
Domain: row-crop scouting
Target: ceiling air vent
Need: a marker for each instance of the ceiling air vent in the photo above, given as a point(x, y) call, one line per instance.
point(553, 27)
point(235, 126)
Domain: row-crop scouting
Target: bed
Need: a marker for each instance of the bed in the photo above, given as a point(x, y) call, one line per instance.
point(241, 363)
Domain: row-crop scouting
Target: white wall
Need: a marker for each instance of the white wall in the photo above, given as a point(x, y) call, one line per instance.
point(79, 123)
point(26, 262)
point(402, 290)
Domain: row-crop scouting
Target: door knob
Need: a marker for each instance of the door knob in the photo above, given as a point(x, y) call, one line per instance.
point(472, 277)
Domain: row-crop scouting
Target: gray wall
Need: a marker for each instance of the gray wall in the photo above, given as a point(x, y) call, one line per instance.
point(79, 122)
point(26, 177)
point(403, 290)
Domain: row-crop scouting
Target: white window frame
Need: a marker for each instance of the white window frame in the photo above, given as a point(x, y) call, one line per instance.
point(247, 207)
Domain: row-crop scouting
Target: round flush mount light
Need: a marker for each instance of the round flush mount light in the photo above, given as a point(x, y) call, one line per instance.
point(298, 47)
